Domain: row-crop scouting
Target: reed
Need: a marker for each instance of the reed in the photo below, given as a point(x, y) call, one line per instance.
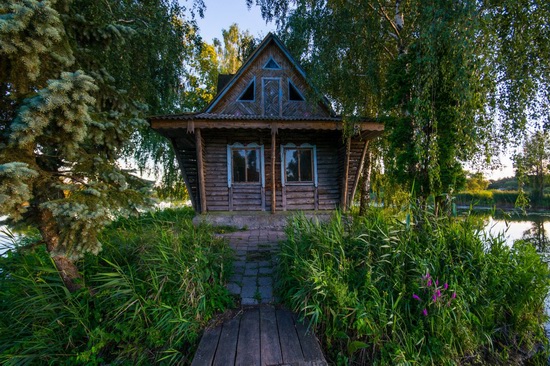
point(148, 294)
point(384, 291)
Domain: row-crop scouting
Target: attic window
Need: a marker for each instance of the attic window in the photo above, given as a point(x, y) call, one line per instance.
point(293, 93)
point(272, 64)
point(248, 93)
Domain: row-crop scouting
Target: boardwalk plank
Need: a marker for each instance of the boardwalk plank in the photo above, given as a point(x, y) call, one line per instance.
point(269, 339)
point(310, 345)
point(207, 347)
point(227, 347)
point(248, 346)
point(290, 343)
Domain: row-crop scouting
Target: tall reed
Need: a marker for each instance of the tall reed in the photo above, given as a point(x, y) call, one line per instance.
point(382, 291)
point(154, 286)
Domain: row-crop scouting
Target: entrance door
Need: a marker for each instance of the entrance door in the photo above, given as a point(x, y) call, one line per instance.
point(272, 96)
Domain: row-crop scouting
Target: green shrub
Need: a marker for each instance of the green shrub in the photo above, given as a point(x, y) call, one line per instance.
point(379, 291)
point(474, 198)
point(154, 286)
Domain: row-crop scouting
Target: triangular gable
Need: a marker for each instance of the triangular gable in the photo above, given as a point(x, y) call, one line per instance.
point(289, 79)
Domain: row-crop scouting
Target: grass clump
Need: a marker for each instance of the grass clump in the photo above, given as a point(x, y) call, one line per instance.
point(385, 292)
point(154, 286)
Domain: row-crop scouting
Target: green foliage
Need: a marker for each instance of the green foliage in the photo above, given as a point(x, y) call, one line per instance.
point(499, 198)
point(436, 73)
point(476, 182)
point(155, 285)
point(363, 283)
point(533, 163)
point(77, 79)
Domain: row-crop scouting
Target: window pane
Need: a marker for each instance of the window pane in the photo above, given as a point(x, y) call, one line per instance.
point(238, 166)
point(306, 166)
point(291, 161)
point(253, 165)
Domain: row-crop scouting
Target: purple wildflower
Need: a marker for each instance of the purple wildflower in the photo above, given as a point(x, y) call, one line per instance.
point(416, 297)
point(425, 312)
point(438, 293)
point(445, 286)
point(437, 282)
point(429, 282)
point(434, 298)
point(454, 295)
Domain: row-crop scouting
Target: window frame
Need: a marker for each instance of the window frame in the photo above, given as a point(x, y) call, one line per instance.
point(272, 68)
point(291, 84)
point(253, 83)
point(304, 146)
point(240, 146)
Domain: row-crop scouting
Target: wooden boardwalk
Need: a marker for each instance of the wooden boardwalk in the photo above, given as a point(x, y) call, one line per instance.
point(260, 336)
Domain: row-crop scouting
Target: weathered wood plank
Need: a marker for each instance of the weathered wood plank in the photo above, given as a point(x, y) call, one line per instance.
point(207, 347)
point(310, 346)
point(344, 203)
point(290, 343)
point(227, 346)
point(248, 345)
point(269, 338)
point(273, 176)
point(201, 169)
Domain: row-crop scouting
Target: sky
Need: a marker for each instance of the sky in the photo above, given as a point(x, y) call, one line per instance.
point(220, 14)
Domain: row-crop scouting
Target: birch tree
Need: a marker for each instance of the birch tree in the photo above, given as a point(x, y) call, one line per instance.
point(452, 81)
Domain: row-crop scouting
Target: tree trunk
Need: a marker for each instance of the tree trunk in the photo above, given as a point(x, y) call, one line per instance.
point(65, 266)
point(365, 187)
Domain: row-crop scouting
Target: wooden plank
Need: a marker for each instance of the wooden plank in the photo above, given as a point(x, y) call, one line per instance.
point(262, 124)
point(316, 198)
point(308, 342)
point(273, 175)
point(344, 202)
point(359, 170)
point(207, 347)
point(181, 163)
point(248, 345)
point(200, 166)
point(290, 344)
point(227, 346)
point(269, 338)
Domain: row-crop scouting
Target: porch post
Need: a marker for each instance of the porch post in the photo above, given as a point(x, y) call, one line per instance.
point(273, 175)
point(200, 167)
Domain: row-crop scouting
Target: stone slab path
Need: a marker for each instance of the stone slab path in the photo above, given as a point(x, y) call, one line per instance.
point(256, 254)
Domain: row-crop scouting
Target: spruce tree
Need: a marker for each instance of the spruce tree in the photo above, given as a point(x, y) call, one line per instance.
point(77, 79)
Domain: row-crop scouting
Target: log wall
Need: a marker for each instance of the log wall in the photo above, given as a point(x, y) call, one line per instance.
point(254, 197)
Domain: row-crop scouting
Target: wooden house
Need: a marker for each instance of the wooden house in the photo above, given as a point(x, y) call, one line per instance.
point(267, 142)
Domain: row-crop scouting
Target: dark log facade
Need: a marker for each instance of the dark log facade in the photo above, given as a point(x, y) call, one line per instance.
point(312, 166)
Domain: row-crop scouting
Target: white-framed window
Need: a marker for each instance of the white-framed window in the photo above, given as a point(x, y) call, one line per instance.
point(245, 164)
point(299, 164)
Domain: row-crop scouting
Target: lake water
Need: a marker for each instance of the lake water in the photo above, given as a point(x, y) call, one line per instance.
point(533, 228)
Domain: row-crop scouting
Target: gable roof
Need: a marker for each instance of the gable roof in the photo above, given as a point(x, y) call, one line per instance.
point(270, 38)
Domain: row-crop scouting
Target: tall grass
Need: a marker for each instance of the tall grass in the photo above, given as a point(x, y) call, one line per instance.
point(156, 283)
point(379, 291)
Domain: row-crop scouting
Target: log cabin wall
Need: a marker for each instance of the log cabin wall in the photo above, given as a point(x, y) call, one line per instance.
point(254, 197)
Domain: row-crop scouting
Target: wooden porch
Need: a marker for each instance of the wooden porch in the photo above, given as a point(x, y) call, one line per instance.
point(260, 336)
